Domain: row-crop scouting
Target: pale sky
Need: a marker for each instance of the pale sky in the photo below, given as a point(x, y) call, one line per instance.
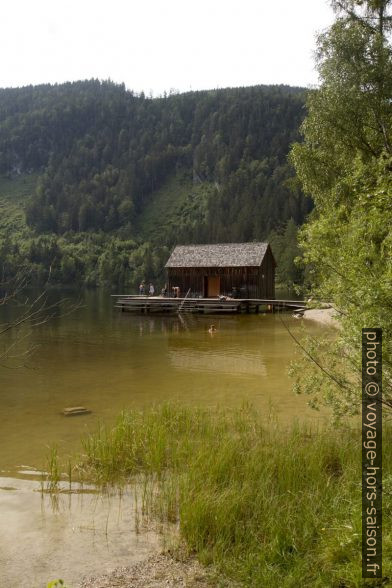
point(157, 45)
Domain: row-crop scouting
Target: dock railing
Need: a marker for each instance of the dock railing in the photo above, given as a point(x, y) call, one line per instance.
point(183, 301)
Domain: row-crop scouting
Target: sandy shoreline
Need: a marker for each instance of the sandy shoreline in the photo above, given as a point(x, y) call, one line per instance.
point(325, 316)
point(155, 572)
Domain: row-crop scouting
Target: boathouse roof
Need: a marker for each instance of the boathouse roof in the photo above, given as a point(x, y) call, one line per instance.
point(219, 255)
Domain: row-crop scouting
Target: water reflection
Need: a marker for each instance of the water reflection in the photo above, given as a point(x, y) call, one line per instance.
point(227, 363)
point(107, 361)
point(147, 325)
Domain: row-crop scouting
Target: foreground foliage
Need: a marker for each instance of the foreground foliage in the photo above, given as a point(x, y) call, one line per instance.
point(268, 506)
point(345, 164)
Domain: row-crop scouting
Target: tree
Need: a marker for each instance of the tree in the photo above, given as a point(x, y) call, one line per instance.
point(345, 165)
point(350, 115)
point(30, 313)
point(284, 244)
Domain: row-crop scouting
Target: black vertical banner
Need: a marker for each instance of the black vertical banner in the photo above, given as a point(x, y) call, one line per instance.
point(371, 453)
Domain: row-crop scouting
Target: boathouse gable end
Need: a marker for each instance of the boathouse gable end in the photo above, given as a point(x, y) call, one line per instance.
point(216, 270)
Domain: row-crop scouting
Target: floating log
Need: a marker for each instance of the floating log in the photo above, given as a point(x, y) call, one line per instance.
point(75, 410)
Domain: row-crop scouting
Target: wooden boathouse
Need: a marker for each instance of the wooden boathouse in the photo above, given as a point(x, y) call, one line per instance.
point(222, 278)
point(239, 270)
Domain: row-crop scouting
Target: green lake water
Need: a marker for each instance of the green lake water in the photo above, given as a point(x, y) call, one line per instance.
point(108, 361)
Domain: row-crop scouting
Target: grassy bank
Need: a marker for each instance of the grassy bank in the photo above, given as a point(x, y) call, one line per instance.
point(269, 507)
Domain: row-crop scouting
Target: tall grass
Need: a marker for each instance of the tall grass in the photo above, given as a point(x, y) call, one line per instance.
point(270, 507)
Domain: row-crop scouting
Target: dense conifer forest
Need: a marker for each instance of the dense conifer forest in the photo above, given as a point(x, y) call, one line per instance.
point(98, 183)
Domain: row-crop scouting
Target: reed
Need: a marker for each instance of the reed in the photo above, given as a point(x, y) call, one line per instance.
point(267, 505)
point(53, 475)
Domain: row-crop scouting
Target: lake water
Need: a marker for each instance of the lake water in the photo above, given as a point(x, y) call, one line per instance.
point(108, 361)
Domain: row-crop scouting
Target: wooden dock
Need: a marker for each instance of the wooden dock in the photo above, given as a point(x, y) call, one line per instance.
point(161, 304)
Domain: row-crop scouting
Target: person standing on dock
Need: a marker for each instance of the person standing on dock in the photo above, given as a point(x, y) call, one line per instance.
point(151, 289)
point(141, 289)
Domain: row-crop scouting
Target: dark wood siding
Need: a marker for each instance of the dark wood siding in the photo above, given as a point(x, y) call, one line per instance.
point(251, 282)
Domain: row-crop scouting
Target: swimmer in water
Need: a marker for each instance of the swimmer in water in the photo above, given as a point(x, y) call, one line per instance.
point(212, 329)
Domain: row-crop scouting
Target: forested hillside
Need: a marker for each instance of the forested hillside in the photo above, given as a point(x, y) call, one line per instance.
point(108, 181)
